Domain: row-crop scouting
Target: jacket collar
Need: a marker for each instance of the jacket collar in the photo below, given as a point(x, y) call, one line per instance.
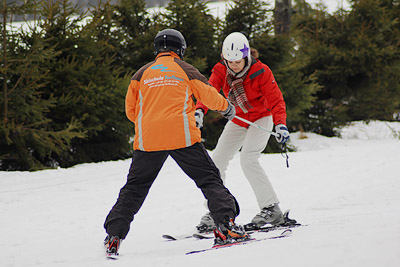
point(169, 53)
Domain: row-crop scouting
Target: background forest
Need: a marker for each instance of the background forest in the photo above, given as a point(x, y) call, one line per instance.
point(82, 5)
point(63, 79)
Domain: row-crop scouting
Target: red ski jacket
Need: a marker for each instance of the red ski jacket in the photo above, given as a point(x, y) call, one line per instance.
point(261, 90)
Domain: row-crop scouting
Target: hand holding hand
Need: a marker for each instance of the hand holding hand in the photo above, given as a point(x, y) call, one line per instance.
point(199, 116)
point(230, 111)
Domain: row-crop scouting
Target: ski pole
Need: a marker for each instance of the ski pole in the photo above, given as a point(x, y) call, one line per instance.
point(256, 125)
point(284, 153)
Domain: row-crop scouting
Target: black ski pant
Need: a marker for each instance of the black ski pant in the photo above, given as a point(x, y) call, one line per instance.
point(145, 166)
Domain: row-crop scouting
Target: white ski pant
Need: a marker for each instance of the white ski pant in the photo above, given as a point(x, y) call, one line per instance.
point(252, 141)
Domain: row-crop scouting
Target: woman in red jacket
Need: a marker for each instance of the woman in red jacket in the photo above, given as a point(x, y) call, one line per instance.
point(250, 86)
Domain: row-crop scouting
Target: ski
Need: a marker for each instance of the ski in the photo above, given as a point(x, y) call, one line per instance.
point(112, 256)
point(178, 237)
point(250, 228)
point(184, 236)
point(204, 235)
point(265, 229)
point(285, 233)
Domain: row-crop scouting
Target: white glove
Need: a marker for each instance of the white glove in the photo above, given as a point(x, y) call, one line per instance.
point(199, 115)
point(283, 133)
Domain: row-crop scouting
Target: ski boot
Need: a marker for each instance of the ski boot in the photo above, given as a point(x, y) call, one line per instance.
point(229, 232)
point(272, 215)
point(287, 222)
point(206, 224)
point(111, 244)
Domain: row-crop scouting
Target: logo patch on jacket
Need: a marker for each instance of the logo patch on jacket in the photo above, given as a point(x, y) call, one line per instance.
point(161, 68)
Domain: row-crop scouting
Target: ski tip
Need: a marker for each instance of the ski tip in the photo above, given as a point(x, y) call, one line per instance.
point(112, 256)
point(169, 237)
point(287, 232)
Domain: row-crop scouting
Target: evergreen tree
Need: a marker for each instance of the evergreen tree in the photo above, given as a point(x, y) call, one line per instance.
point(87, 84)
point(355, 58)
point(134, 34)
point(27, 140)
point(192, 19)
point(374, 58)
point(250, 17)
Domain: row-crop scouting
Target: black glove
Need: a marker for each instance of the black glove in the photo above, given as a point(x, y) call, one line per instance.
point(230, 111)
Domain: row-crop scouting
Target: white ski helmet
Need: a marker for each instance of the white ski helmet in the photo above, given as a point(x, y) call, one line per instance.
point(236, 47)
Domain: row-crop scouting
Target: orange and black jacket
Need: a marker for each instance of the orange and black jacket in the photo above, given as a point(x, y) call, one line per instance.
point(160, 103)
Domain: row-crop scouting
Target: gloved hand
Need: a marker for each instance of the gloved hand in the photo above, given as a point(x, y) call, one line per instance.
point(199, 116)
point(230, 111)
point(283, 133)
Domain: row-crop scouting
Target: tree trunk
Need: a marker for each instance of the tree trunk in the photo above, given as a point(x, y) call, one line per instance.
point(5, 88)
point(282, 13)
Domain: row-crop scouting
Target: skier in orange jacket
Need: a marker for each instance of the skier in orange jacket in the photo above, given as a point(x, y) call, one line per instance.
point(160, 103)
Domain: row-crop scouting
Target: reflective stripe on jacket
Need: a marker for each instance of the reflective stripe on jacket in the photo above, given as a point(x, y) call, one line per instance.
point(160, 103)
point(261, 90)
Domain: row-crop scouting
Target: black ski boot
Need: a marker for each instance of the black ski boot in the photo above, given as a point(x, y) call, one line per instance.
point(229, 232)
point(111, 244)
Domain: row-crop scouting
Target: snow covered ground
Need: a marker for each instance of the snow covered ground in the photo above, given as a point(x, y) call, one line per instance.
point(346, 190)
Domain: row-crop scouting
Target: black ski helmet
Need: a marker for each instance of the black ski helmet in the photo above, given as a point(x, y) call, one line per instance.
point(170, 40)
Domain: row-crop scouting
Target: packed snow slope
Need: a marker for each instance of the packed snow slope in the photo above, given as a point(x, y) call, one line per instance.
point(346, 190)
